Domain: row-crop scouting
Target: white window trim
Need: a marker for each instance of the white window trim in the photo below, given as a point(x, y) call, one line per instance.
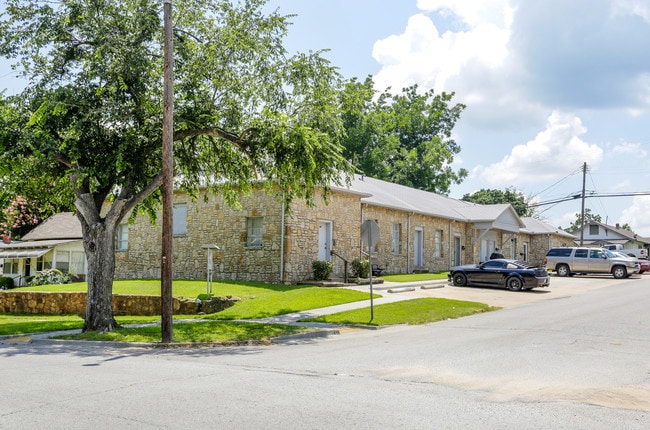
point(254, 233)
point(122, 237)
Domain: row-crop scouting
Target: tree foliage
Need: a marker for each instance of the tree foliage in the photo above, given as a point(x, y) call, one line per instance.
point(92, 114)
point(509, 195)
point(20, 216)
point(403, 138)
point(577, 224)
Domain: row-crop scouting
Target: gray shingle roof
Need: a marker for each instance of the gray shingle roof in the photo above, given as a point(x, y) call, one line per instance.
point(535, 226)
point(400, 197)
point(64, 225)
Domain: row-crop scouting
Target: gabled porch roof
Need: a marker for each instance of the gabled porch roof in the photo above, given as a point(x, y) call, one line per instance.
point(35, 249)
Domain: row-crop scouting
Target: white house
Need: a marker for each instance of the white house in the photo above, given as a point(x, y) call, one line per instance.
point(56, 243)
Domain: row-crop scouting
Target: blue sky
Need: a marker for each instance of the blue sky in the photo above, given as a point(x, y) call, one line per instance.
point(548, 84)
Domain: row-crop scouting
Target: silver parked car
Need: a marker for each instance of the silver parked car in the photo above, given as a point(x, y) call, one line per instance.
point(571, 260)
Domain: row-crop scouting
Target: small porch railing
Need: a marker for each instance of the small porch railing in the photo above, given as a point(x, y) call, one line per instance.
point(345, 265)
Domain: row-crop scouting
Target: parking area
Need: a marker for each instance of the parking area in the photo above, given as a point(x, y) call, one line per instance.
point(560, 287)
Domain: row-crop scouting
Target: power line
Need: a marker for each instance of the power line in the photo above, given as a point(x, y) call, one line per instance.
point(591, 194)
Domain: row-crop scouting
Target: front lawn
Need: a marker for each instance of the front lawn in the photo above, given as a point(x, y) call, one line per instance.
point(416, 311)
point(258, 301)
point(194, 332)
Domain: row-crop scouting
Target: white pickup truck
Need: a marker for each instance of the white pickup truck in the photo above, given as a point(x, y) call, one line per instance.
point(632, 252)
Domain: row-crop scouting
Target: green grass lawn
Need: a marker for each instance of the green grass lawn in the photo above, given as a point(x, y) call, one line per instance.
point(258, 301)
point(192, 332)
point(416, 311)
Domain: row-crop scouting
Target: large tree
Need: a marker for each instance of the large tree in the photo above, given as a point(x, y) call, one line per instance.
point(403, 138)
point(245, 110)
point(509, 195)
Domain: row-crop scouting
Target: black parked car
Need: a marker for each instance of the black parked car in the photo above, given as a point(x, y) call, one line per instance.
point(511, 274)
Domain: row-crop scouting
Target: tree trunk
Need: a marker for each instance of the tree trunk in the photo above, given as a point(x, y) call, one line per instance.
point(99, 244)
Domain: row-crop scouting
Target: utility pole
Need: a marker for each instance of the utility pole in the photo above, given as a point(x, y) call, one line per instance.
point(166, 273)
point(582, 212)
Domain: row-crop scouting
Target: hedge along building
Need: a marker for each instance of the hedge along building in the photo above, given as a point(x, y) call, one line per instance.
point(268, 242)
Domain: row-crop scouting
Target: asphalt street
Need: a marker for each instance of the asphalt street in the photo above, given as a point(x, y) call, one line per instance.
point(575, 356)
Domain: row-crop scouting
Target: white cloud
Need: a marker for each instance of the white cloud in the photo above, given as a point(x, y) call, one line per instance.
point(554, 153)
point(637, 215)
point(473, 13)
point(629, 148)
point(422, 55)
point(639, 8)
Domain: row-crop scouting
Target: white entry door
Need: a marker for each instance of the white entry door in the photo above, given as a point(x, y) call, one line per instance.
point(325, 240)
point(418, 255)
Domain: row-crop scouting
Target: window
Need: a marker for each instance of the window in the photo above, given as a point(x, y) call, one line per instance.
point(254, 232)
point(180, 219)
point(11, 266)
point(559, 252)
point(123, 237)
point(525, 256)
point(596, 253)
point(593, 229)
point(77, 263)
point(437, 251)
point(581, 253)
point(63, 261)
point(44, 262)
point(494, 264)
point(397, 238)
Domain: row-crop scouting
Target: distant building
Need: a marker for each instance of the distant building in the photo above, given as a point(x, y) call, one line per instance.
point(599, 234)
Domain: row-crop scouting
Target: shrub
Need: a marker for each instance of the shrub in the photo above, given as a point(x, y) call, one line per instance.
point(322, 269)
point(360, 268)
point(50, 277)
point(6, 283)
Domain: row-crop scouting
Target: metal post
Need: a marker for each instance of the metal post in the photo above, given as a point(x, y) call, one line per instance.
point(372, 307)
point(168, 178)
point(582, 212)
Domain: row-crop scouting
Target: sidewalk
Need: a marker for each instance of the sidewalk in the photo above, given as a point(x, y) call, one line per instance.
point(390, 291)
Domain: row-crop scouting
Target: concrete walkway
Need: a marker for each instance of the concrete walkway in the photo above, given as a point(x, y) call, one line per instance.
point(390, 291)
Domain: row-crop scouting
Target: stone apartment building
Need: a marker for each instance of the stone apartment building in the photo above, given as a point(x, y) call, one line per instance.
point(268, 242)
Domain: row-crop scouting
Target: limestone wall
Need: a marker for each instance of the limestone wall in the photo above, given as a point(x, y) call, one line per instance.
point(211, 221)
point(302, 234)
point(32, 302)
point(401, 260)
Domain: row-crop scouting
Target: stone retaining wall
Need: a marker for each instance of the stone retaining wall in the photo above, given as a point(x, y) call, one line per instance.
point(32, 302)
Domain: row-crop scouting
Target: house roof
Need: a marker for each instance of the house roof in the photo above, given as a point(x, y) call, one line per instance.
point(31, 249)
point(64, 225)
point(536, 227)
point(400, 197)
point(623, 233)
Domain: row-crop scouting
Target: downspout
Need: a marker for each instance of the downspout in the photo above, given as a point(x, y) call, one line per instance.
point(408, 243)
point(449, 244)
point(361, 257)
point(282, 238)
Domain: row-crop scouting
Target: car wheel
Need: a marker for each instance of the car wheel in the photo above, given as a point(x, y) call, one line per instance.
point(562, 270)
point(619, 272)
point(459, 279)
point(514, 284)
